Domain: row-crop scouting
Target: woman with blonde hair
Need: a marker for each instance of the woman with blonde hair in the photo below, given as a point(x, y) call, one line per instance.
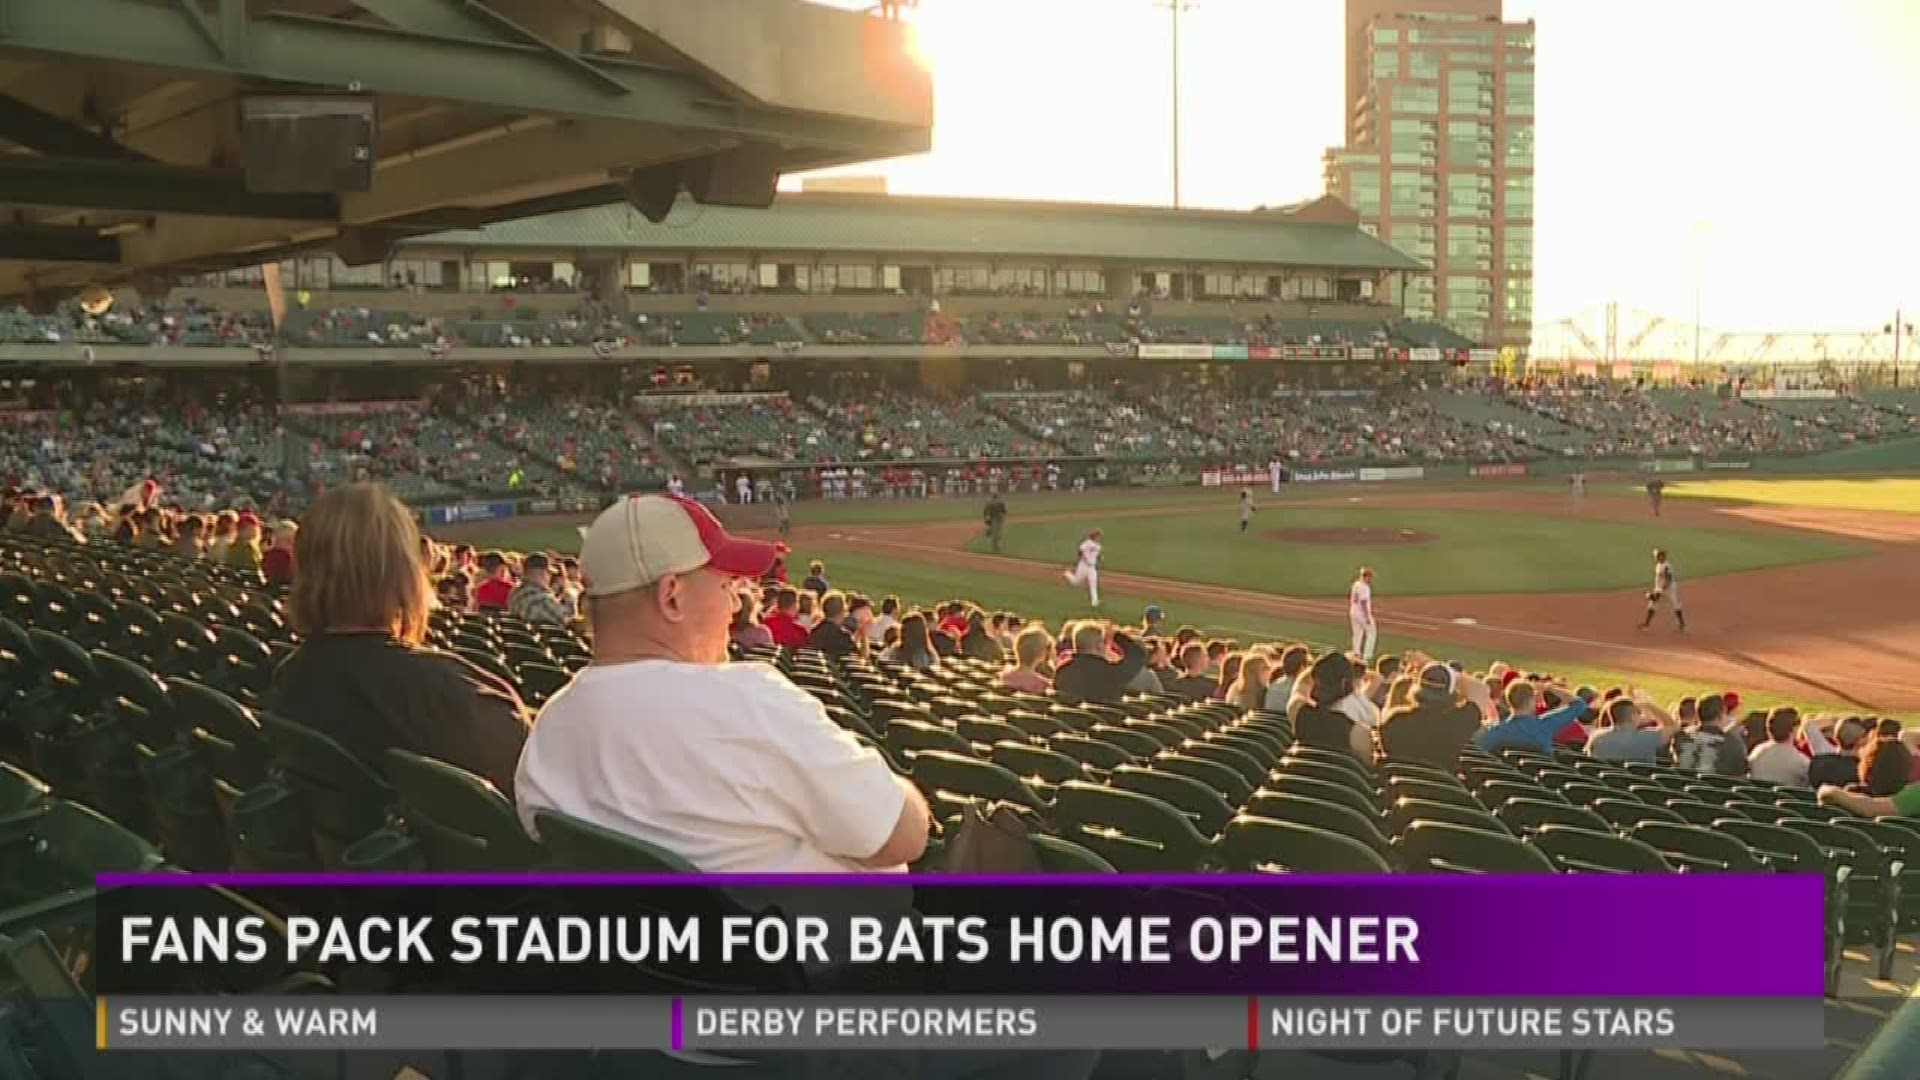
point(1249, 691)
point(1031, 648)
point(362, 673)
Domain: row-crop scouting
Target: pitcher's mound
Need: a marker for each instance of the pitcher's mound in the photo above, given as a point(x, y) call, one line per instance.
point(1350, 537)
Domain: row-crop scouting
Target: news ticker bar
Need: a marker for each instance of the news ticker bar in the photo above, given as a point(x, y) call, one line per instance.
point(954, 1023)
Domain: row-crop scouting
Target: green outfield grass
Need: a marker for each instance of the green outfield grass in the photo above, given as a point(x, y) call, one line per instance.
point(1894, 494)
point(1469, 552)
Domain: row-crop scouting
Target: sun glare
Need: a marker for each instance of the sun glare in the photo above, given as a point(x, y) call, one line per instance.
point(925, 38)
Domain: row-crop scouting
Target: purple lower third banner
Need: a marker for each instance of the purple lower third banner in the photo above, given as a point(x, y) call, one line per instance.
point(1551, 936)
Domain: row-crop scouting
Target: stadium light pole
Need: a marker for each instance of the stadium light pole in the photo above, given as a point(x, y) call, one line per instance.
point(1177, 8)
point(1700, 231)
point(1896, 328)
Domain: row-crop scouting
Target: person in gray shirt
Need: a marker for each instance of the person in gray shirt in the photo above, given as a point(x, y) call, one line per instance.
point(1622, 739)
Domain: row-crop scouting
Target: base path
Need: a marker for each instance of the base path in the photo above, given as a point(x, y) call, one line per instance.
point(1844, 631)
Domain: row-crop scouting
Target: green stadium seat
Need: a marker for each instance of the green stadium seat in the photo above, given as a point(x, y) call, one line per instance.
point(462, 822)
point(1257, 844)
point(1332, 816)
point(1697, 848)
point(1210, 812)
point(1526, 815)
point(1136, 833)
point(1439, 847)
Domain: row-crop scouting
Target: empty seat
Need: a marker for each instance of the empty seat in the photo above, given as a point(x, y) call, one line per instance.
point(1438, 847)
point(1135, 832)
point(1261, 844)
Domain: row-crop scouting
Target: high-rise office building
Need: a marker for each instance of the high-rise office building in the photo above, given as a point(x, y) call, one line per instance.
point(1439, 155)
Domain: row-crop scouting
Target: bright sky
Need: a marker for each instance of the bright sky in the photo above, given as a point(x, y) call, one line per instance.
point(1775, 144)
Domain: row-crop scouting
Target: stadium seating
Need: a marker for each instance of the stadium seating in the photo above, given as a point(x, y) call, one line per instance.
point(131, 739)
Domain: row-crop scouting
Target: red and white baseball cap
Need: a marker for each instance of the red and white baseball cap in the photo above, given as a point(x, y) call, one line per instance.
point(643, 538)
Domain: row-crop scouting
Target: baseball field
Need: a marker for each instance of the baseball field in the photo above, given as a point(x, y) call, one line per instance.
point(1796, 590)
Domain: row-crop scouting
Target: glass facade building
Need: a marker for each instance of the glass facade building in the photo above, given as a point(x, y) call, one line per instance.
point(1439, 155)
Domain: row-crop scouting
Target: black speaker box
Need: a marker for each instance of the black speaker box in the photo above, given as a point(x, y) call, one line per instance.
point(745, 177)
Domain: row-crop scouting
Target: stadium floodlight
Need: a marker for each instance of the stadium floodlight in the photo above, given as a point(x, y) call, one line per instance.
point(1176, 8)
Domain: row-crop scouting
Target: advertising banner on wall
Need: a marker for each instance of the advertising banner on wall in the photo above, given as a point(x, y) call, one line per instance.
point(1299, 352)
point(1234, 476)
point(1667, 465)
point(1400, 472)
point(1503, 471)
point(1229, 352)
point(1176, 352)
point(454, 515)
point(1790, 395)
point(1424, 355)
point(1729, 465)
point(1483, 356)
point(350, 408)
point(1325, 476)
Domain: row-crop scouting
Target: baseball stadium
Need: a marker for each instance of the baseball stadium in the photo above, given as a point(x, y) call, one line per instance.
point(358, 415)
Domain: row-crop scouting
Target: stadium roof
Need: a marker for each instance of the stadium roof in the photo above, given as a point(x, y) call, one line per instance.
point(1323, 233)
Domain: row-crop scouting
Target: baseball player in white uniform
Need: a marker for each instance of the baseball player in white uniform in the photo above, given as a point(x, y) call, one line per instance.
point(1576, 491)
point(1360, 614)
point(1666, 586)
point(1087, 570)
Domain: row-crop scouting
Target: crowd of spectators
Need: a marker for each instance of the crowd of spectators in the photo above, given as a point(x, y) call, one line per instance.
point(756, 429)
point(586, 443)
point(207, 455)
point(888, 425)
point(1627, 420)
point(212, 447)
point(1090, 423)
point(588, 320)
point(1308, 428)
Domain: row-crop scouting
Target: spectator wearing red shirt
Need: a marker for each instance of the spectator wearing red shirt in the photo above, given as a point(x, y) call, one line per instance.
point(784, 620)
point(953, 621)
point(492, 594)
point(276, 563)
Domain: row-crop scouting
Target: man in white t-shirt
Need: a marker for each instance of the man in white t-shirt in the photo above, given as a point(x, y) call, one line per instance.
point(675, 486)
point(728, 765)
point(1360, 614)
point(1087, 570)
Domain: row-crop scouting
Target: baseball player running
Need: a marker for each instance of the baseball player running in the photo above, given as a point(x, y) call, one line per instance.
point(1665, 587)
point(1246, 508)
point(1360, 614)
point(1087, 571)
